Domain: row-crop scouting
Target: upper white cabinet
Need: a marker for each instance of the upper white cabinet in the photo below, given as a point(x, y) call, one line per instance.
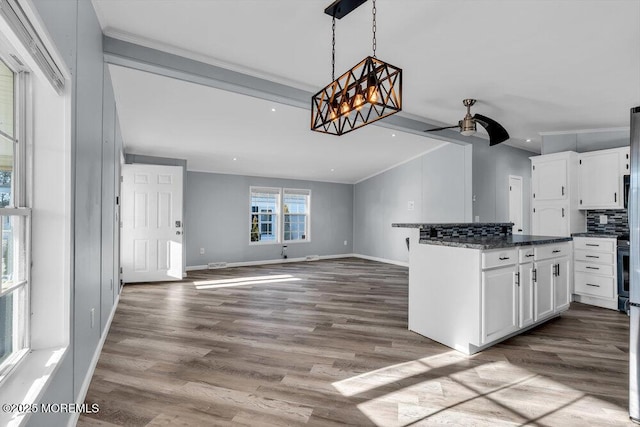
point(549, 179)
point(600, 178)
point(554, 195)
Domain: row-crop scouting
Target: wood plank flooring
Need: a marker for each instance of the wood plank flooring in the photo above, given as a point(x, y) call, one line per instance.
point(325, 343)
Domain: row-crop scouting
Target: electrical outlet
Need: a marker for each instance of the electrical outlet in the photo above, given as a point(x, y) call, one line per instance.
point(345, 243)
point(477, 219)
point(93, 318)
point(411, 205)
point(604, 219)
point(201, 251)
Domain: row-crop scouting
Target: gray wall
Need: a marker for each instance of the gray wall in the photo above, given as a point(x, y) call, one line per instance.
point(96, 148)
point(584, 141)
point(491, 169)
point(439, 185)
point(218, 219)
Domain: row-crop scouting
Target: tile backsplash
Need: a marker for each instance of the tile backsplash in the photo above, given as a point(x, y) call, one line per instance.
point(466, 230)
point(617, 221)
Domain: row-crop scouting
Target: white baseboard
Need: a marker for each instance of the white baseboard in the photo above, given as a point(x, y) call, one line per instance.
point(386, 261)
point(73, 420)
point(301, 259)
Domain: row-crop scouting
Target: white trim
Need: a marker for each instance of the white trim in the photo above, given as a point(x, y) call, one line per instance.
point(73, 420)
point(571, 132)
point(301, 259)
point(386, 261)
point(271, 176)
point(403, 162)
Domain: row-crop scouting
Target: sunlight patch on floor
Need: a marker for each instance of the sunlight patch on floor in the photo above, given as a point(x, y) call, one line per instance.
point(244, 281)
point(451, 387)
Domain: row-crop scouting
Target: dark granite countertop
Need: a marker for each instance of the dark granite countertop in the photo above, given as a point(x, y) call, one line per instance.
point(451, 224)
point(493, 242)
point(599, 235)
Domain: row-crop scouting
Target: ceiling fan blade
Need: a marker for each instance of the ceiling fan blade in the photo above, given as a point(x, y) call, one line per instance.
point(442, 128)
point(497, 133)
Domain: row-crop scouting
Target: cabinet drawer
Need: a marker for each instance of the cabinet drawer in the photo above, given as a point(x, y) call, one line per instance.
point(551, 251)
point(588, 267)
point(499, 257)
point(597, 286)
point(597, 244)
point(594, 257)
point(526, 254)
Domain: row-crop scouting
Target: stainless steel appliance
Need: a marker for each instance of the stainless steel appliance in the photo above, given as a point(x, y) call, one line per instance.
point(623, 273)
point(626, 181)
point(634, 268)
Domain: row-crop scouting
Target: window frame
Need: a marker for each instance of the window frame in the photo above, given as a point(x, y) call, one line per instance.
point(307, 226)
point(277, 220)
point(19, 204)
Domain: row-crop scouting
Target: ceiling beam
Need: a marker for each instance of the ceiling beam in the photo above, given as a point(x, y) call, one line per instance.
point(142, 58)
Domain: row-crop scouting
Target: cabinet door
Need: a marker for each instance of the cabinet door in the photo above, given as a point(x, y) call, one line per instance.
point(525, 277)
point(543, 290)
point(600, 180)
point(562, 282)
point(549, 180)
point(550, 220)
point(499, 303)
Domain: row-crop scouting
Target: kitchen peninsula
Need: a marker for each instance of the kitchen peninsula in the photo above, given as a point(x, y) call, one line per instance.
point(472, 285)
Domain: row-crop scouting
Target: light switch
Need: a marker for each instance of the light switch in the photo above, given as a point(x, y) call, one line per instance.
point(411, 205)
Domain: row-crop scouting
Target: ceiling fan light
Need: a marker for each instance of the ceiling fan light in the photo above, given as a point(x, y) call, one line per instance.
point(467, 126)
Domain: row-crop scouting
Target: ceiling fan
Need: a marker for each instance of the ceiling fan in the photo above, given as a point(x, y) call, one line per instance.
point(467, 125)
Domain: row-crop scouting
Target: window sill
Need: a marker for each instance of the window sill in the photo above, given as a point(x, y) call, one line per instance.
point(28, 381)
point(264, 243)
point(293, 242)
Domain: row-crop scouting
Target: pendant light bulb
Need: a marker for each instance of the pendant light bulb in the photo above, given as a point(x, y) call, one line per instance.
point(345, 108)
point(333, 110)
point(372, 89)
point(358, 99)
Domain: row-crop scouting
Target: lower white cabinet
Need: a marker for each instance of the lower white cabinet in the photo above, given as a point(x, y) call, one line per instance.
point(543, 289)
point(470, 299)
point(525, 292)
point(499, 303)
point(595, 267)
point(526, 309)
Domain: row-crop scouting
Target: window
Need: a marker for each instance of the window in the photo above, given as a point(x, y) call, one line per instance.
point(279, 215)
point(296, 215)
point(14, 221)
point(265, 210)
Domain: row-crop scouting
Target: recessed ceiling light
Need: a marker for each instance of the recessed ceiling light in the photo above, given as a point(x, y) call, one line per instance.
point(273, 109)
point(332, 170)
point(528, 140)
point(235, 158)
point(393, 134)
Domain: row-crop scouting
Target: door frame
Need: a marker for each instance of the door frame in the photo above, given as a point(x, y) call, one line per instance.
point(518, 178)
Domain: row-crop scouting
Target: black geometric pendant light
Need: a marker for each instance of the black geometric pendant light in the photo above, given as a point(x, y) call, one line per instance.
point(369, 91)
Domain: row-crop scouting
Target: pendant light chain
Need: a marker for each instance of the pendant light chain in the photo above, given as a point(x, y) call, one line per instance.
point(374, 28)
point(333, 50)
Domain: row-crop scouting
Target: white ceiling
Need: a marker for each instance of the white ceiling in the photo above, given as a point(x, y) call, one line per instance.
point(535, 66)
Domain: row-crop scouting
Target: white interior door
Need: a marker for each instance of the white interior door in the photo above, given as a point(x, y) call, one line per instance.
point(515, 203)
point(151, 236)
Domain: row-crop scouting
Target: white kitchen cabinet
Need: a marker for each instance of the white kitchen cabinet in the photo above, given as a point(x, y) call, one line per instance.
point(552, 279)
point(499, 303)
point(595, 267)
point(470, 299)
point(526, 297)
point(563, 284)
point(549, 179)
point(550, 220)
point(600, 178)
point(543, 289)
point(554, 195)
